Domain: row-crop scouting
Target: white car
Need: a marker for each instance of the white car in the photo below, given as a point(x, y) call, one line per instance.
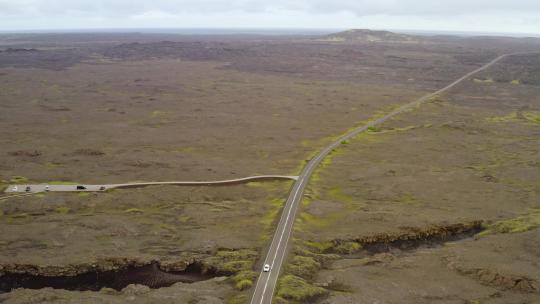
point(266, 268)
point(15, 189)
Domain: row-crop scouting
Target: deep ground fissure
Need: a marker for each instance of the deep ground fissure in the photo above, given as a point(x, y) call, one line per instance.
point(150, 275)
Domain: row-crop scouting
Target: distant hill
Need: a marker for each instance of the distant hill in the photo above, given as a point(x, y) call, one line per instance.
point(363, 35)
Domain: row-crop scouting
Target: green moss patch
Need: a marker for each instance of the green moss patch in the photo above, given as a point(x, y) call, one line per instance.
point(337, 194)
point(294, 288)
point(238, 299)
point(62, 183)
point(302, 266)
point(243, 284)
point(307, 259)
point(237, 263)
point(533, 117)
point(231, 261)
point(527, 117)
point(236, 266)
point(506, 118)
point(515, 225)
point(269, 218)
point(347, 247)
point(319, 247)
point(244, 279)
point(62, 210)
point(319, 256)
point(340, 247)
point(306, 220)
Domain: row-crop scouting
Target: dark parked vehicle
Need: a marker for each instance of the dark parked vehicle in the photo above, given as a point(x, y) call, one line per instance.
point(79, 187)
point(28, 189)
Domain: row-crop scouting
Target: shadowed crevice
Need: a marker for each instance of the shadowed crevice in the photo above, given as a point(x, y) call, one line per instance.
point(150, 275)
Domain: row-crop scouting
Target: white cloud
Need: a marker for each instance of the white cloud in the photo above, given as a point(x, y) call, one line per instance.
point(473, 15)
point(358, 7)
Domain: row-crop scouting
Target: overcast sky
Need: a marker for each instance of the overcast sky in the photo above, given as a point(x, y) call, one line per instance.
point(501, 16)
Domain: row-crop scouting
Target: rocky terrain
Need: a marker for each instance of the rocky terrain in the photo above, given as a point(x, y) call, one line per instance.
point(438, 205)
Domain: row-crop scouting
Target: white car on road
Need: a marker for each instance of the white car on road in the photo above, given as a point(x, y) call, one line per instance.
point(266, 268)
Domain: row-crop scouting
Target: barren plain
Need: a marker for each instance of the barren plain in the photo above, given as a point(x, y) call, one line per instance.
point(438, 205)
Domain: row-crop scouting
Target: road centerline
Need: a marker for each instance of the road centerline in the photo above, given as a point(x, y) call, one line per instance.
point(306, 173)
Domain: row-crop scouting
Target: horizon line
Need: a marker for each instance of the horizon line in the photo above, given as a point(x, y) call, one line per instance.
point(255, 30)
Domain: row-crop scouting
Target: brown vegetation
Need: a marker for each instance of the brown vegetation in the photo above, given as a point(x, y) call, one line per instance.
point(112, 108)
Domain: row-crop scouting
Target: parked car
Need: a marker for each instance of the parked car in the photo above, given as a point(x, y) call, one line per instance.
point(28, 189)
point(79, 187)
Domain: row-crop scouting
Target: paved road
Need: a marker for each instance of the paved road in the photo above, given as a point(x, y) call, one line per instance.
point(277, 252)
point(93, 188)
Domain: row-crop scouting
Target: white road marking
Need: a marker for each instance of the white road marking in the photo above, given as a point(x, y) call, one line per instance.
point(281, 237)
point(306, 173)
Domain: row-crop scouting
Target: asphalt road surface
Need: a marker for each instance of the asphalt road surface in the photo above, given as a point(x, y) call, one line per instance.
point(28, 188)
point(277, 252)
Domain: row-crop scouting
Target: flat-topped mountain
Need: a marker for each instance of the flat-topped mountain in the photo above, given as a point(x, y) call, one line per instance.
point(365, 35)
